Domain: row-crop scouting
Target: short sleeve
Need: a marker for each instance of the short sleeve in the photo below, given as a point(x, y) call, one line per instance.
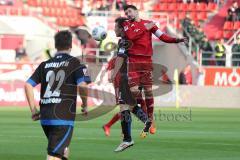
point(81, 74)
point(122, 50)
point(154, 29)
point(35, 78)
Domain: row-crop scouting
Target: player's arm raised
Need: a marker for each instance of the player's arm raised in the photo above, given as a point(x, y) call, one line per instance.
point(166, 38)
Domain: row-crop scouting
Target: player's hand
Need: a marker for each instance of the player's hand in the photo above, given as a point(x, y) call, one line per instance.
point(111, 77)
point(84, 110)
point(35, 114)
point(150, 25)
point(184, 39)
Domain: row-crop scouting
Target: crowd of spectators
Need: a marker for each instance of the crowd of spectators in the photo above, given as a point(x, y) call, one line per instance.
point(236, 53)
point(212, 53)
point(196, 33)
point(233, 12)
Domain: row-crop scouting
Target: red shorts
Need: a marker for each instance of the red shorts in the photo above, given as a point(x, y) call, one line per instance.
point(140, 71)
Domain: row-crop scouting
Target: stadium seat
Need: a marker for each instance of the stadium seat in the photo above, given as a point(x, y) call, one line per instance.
point(59, 21)
point(155, 8)
point(178, 25)
point(181, 15)
point(79, 3)
point(219, 35)
point(227, 34)
point(63, 4)
point(172, 7)
point(236, 25)
point(173, 15)
point(24, 12)
point(51, 12)
point(3, 11)
point(211, 7)
point(228, 25)
point(202, 16)
point(196, 22)
point(44, 3)
point(45, 11)
point(163, 7)
point(182, 7)
point(191, 7)
point(194, 16)
point(202, 7)
point(164, 1)
point(171, 1)
point(13, 11)
point(33, 3)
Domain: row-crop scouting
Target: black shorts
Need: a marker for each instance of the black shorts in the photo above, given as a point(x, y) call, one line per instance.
point(59, 138)
point(125, 95)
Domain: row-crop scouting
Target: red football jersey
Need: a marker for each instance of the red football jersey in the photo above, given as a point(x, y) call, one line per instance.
point(141, 38)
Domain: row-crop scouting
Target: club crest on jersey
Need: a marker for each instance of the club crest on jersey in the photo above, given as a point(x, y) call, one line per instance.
point(121, 50)
point(125, 28)
point(136, 30)
point(85, 71)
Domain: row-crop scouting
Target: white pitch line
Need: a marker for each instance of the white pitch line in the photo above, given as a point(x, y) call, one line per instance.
point(107, 139)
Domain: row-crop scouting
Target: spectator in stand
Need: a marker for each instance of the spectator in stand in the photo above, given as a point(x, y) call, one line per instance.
point(6, 2)
point(20, 52)
point(104, 6)
point(207, 51)
point(220, 53)
point(233, 12)
point(199, 35)
point(185, 76)
point(120, 4)
point(202, 1)
point(236, 53)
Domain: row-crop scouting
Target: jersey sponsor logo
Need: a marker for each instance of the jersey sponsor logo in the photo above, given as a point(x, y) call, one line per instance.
point(85, 71)
point(51, 100)
point(229, 77)
point(56, 64)
point(136, 30)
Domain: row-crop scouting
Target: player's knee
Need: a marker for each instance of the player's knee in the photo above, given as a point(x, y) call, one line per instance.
point(135, 90)
point(148, 92)
point(124, 107)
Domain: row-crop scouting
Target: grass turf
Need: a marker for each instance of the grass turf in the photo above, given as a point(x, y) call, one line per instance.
point(209, 134)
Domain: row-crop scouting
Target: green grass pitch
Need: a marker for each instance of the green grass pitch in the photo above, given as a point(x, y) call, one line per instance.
point(210, 134)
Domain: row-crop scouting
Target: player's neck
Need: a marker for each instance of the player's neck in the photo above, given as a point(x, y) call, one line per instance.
point(138, 19)
point(64, 51)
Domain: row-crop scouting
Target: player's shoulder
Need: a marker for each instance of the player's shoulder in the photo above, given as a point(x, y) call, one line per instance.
point(145, 21)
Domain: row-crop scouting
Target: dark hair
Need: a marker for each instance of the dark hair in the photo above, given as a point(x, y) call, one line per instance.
point(130, 6)
point(120, 21)
point(63, 40)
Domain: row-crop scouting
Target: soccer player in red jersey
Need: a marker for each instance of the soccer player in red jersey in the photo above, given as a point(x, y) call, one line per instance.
point(139, 32)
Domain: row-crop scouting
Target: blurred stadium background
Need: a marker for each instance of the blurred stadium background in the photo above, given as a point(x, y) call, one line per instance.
point(207, 69)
